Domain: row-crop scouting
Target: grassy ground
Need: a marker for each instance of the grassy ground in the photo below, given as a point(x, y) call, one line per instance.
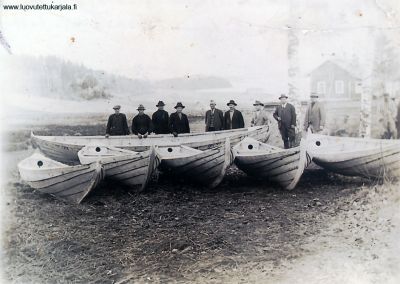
point(246, 230)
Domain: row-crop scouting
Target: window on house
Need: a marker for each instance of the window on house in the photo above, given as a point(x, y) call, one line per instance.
point(321, 87)
point(339, 87)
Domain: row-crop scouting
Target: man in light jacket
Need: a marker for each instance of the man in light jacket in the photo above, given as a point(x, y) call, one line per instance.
point(387, 113)
point(315, 115)
point(260, 116)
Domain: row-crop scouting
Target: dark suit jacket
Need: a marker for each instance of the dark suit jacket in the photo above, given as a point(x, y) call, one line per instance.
point(218, 119)
point(237, 120)
point(141, 124)
point(160, 122)
point(117, 125)
point(287, 115)
point(178, 125)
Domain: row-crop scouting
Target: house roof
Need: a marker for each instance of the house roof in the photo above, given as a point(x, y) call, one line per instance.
point(356, 74)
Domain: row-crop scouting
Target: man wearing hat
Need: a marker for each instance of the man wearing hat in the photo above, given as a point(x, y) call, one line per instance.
point(315, 115)
point(233, 118)
point(178, 121)
point(387, 116)
point(214, 118)
point(160, 120)
point(398, 121)
point(285, 114)
point(117, 123)
point(260, 117)
point(141, 123)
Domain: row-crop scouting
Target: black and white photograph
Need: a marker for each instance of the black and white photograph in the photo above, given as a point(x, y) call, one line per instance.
point(188, 141)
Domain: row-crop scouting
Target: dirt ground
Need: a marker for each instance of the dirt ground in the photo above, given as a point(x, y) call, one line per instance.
point(330, 229)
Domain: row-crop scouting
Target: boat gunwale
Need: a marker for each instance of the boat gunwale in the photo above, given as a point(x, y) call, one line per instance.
point(158, 136)
point(195, 152)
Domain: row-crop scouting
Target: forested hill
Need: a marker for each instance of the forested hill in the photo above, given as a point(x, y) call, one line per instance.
point(56, 78)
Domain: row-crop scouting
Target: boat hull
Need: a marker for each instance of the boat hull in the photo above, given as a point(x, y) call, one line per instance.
point(369, 158)
point(207, 167)
point(132, 169)
point(72, 186)
point(283, 166)
point(65, 148)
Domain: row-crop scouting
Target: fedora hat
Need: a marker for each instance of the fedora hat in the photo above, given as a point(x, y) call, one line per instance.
point(231, 102)
point(258, 103)
point(213, 102)
point(283, 96)
point(179, 104)
point(140, 107)
point(160, 103)
point(116, 107)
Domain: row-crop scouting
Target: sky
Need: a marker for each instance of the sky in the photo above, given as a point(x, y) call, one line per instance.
point(244, 41)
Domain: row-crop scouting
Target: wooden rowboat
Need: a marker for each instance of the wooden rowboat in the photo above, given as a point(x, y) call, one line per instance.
point(128, 167)
point(69, 183)
point(370, 158)
point(207, 167)
point(284, 166)
point(65, 148)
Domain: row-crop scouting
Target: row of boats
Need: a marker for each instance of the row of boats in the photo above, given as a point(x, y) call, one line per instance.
point(70, 167)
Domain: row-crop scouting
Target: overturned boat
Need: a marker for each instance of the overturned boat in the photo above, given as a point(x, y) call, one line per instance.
point(130, 168)
point(370, 158)
point(284, 166)
point(65, 148)
point(207, 167)
point(68, 183)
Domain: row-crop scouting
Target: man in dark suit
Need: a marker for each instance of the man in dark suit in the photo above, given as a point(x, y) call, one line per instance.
point(285, 114)
point(214, 118)
point(141, 123)
point(233, 118)
point(178, 121)
point(117, 123)
point(160, 119)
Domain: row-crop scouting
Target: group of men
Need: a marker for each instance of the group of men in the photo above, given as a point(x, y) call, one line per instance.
point(176, 123)
point(285, 115)
point(142, 124)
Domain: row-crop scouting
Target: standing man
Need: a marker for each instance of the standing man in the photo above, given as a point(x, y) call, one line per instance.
point(178, 121)
point(260, 116)
point(387, 112)
point(315, 115)
point(285, 114)
point(160, 119)
point(233, 118)
point(141, 123)
point(117, 123)
point(214, 118)
point(398, 121)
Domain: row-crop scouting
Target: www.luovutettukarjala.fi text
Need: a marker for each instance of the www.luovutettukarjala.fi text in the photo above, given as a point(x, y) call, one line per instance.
point(57, 7)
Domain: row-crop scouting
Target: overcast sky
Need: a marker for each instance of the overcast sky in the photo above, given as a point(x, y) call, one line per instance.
point(244, 41)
